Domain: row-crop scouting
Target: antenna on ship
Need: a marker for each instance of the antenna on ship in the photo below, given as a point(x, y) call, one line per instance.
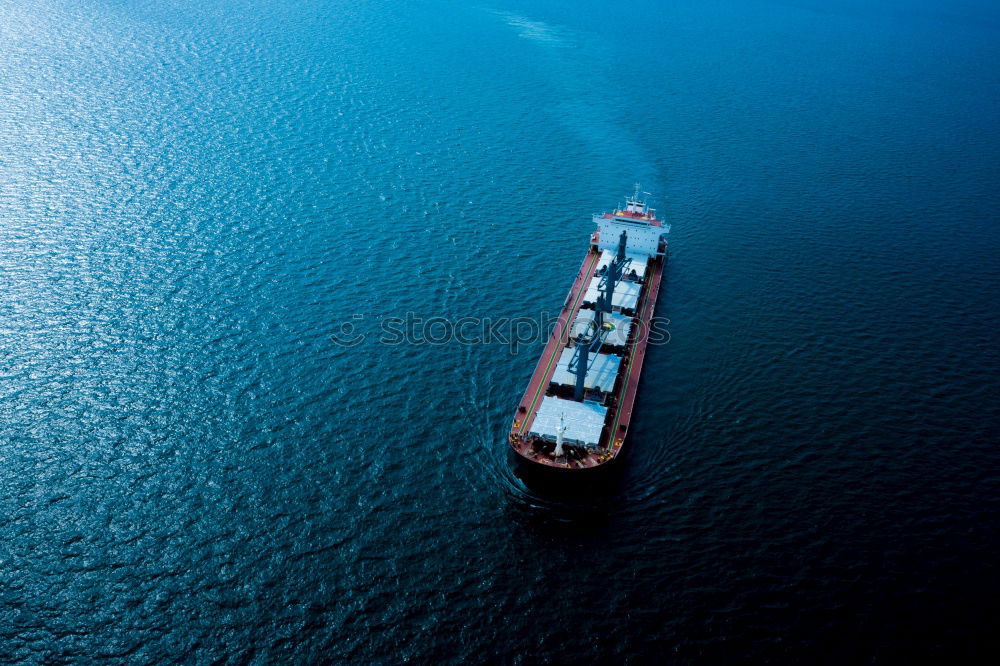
point(635, 205)
point(560, 429)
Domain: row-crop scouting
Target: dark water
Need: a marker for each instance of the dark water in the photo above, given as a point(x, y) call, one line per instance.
point(194, 196)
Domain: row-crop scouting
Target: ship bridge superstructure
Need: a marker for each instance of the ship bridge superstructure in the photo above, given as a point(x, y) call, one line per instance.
point(644, 229)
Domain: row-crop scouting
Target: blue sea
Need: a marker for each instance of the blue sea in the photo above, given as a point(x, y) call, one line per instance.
point(209, 453)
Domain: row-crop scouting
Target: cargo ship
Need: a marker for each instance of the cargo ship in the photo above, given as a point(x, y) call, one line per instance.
point(576, 410)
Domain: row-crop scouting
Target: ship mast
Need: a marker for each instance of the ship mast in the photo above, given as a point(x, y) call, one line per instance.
point(560, 430)
point(591, 342)
point(614, 272)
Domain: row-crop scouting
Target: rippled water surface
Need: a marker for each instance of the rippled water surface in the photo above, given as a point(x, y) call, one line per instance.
point(195, 197)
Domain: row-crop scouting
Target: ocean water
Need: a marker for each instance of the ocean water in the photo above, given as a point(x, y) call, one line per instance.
point(200, 200)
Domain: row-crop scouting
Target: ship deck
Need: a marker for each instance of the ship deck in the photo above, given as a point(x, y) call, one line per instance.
point(613, 439)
